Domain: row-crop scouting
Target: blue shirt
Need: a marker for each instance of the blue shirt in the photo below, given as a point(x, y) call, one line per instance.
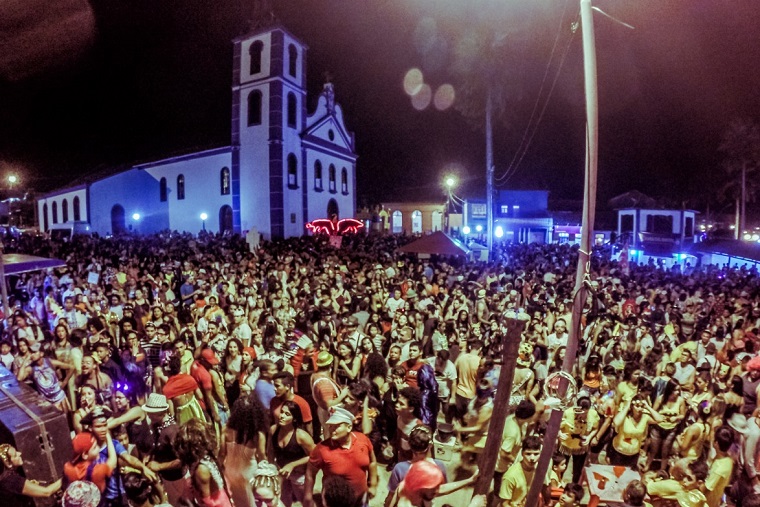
point(402, 468)
point(264, 392)
point(114, 486)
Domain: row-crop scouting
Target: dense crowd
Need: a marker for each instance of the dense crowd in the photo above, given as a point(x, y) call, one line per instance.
point(195, 371)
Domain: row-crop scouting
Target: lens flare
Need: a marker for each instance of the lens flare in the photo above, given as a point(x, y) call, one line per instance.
point(421, 99)
point(413, 81)
point(444, 97)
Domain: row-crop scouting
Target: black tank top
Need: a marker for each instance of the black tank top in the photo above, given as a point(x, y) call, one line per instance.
point(288, 454)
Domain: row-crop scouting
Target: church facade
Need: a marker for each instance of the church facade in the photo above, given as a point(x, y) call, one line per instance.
point(283, 168)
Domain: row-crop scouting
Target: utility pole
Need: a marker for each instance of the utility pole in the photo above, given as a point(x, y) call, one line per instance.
point(584, 252)
point(743, 217)
point(510, 347)
point(489, 172)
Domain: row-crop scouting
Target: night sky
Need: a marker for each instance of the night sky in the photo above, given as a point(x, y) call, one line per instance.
point(87, 85)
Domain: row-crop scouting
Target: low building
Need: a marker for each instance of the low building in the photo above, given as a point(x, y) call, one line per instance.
point(412, 217)
point(283, 168)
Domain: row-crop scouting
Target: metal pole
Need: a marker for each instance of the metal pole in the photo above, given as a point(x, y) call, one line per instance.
point(743, 217)
point(489, 172)
point(584, 252)
point(4, 288)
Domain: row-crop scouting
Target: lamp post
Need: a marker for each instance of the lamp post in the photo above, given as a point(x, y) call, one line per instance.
point(204, 216)
point(450, 181)
point(584, 252)
point(12, 180)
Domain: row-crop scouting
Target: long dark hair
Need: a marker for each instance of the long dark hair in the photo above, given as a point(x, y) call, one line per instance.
point(295, 411)
point(193, 442)
point(248, 418)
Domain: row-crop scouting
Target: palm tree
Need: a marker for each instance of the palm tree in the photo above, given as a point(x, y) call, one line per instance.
point(741, 146)
point(484, 69)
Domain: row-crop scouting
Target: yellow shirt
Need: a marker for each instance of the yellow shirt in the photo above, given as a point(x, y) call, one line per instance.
point(514, 485)
point(510, 444)
point(572, 425)
point(717, 480)
point(626, 392)
point(667, 489)
point(631, 435)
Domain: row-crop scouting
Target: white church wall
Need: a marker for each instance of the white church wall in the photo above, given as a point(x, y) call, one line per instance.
point(135, 193)
point(203, 191)
point(66, 198)
point(245, 57)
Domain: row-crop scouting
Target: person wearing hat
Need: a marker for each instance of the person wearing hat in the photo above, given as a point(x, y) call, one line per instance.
point(324, 390)
point(97, 423)
point(85, 465)
point(344, 453)
point(205, 371)
point(351, 332)
point(162, 458)
point(81, 494)
point(183, 391)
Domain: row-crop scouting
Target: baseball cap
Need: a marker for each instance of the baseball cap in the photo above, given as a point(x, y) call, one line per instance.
point(82, 443)
point(210, 356)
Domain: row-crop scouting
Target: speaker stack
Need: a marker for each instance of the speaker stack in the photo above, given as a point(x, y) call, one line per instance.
point(37, 429)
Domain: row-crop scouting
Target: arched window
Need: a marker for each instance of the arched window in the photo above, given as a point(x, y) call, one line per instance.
point(318, 175)
point(55, 212)
point(292, 171)
point(65, 210)
point(75, 205)
point(162, 190)
point(292, 60)
point(397, 226)
point(224, 181)
point(416, 221)
point(437, 221)
point(255, 53)
point(180, 187)
point(344, 181)
point(254, 108)
point(45, 217)
point(332, 178)
point(292, 109)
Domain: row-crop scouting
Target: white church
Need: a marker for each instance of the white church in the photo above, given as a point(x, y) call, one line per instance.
point(283, 168)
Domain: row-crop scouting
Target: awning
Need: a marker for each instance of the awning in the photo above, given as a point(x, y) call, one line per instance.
point(437, 243)
point(22, 263)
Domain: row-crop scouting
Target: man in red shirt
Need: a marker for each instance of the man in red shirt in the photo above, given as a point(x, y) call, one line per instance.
point(345, 454)
point(283, 391)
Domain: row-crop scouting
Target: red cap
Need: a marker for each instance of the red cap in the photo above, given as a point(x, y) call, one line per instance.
point(210, 356)
point(82, 443)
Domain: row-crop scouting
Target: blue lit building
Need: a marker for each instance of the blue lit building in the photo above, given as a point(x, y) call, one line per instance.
point(283, 168)
point(520, 216)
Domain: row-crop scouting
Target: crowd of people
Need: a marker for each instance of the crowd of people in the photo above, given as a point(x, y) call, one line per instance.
point(194, 370)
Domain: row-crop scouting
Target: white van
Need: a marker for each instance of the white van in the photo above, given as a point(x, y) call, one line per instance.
point(69, 229)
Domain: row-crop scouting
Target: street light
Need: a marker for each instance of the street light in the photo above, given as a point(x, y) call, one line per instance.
point(450, 181)
point(136, 217)
point(204, 216)
point(12, 180)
